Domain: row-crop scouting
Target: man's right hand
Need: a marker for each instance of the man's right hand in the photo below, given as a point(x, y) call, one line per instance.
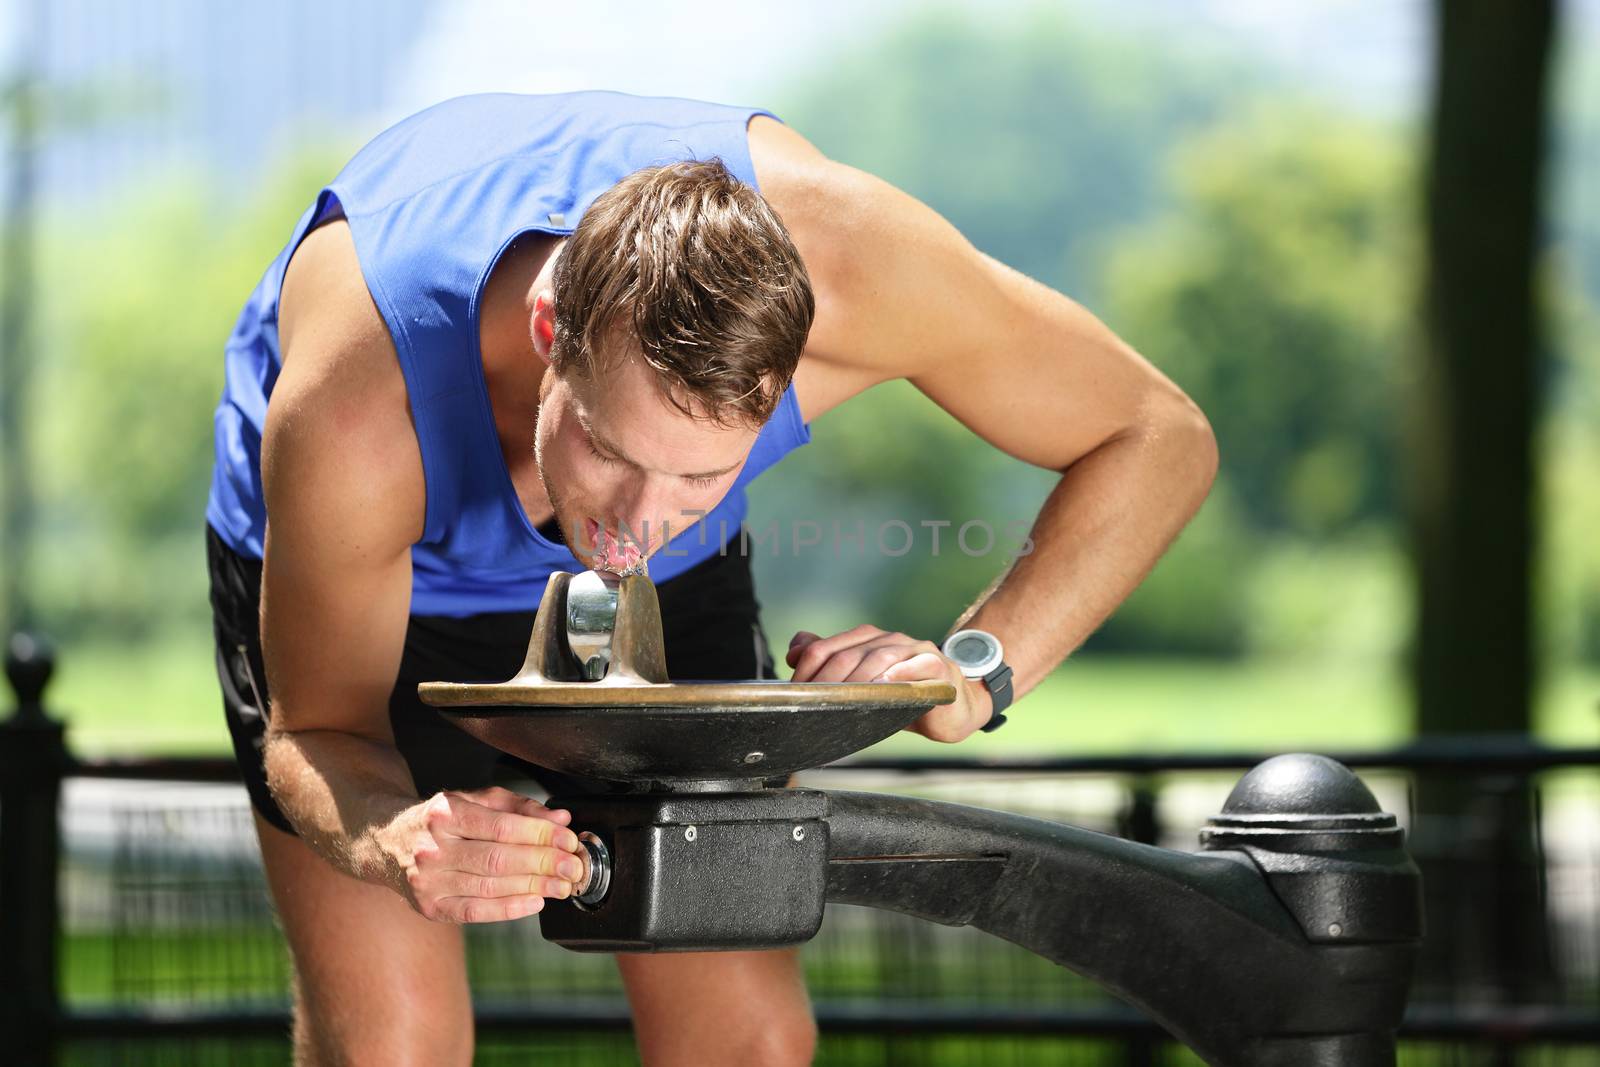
point(482, 856)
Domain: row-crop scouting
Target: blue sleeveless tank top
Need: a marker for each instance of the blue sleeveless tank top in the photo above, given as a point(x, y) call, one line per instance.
point(432, 203)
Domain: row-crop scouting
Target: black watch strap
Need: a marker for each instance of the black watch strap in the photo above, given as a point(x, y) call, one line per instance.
point(998, 682)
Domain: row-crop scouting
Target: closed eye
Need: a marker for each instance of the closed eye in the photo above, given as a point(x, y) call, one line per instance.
point(703, 482)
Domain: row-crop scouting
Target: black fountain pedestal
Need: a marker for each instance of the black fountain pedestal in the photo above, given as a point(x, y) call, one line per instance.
point(1288, 940)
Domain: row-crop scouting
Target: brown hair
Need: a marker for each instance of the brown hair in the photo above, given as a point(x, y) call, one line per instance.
point(694, 267)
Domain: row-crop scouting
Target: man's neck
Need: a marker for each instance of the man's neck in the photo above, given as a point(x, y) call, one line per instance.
point(505, 321)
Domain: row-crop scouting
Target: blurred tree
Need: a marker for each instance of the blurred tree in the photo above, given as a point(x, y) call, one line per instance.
point(38, 110)
point(1038, 137)
point(1275, 291)
point(138, 305)
point(19, 108)
point(1574, 200)
point(898, 470)
point(1568, 557)
point(1568, 560)
point(1035, 134)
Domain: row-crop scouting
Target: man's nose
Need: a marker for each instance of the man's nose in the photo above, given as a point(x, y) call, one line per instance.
point(641, 512)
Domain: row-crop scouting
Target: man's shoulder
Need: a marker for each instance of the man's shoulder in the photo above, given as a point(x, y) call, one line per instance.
point(795, 177)
point(833, 211)
point(340, 397)
point(326, 313)
point(830, 210)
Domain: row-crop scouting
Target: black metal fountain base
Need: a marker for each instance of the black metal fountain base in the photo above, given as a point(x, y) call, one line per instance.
point(1288, 940)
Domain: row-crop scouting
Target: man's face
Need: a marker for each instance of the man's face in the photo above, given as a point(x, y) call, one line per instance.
point(624, 469)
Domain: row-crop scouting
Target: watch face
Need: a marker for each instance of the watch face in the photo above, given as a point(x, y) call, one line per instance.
point(970, 650)
point(976, 652)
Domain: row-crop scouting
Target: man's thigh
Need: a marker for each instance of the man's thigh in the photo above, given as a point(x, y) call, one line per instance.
point(375, 982)
point(720, 1009)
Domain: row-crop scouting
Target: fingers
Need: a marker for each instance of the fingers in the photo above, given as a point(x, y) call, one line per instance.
point(863, 662)
point(925, 666)
point(489, 862)
point(863, 654)
point(489, 855)
point(481, 910)
point(501, 799)
point(808, 658)
point(455, 815)
point(450, 884)
point(493, 859)
point(443, 894)
point(797, 645)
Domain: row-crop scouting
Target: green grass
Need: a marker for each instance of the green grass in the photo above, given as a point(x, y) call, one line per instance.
point(158, 697)
point(162, 697)
point(243, 962)
point(1129, 704)
point(243, 966)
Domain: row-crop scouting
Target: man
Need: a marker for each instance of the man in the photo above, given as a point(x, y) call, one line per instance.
point(521, 334)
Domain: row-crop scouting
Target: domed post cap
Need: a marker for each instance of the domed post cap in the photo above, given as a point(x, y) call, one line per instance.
point(30, 662)
point(1334, 858)
point(1301, 800)
point(1301, 783)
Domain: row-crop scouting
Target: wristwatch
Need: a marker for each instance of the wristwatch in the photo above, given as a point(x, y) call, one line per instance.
point(978, 654)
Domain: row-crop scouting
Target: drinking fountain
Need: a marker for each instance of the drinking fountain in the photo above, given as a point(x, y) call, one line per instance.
point(1286, 941)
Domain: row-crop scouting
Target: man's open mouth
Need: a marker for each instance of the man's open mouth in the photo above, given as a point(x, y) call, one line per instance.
point(619, 555)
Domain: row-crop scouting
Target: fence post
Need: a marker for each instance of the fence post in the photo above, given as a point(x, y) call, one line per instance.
point(33, 760)
point(1140, 821)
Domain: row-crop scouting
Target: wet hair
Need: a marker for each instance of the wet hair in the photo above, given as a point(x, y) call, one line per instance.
point(691, 268)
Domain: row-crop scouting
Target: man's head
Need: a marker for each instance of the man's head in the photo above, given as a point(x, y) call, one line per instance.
point(676, 317)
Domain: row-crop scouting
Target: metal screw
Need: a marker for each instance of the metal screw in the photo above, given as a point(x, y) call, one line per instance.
point(755, 757)
point(690, 833)
point(1334, 930)
point(799, 833)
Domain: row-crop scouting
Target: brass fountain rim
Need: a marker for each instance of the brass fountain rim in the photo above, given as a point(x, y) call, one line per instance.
point(637, 676)
point(631, 693)
point(634, 725)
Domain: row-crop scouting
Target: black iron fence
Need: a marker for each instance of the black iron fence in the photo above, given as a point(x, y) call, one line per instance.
point(135, 927)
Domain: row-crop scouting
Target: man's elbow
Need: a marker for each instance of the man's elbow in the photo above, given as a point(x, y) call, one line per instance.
point(1188, 443)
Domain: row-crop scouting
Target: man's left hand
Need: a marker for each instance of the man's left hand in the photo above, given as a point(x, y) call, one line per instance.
point(868, 654)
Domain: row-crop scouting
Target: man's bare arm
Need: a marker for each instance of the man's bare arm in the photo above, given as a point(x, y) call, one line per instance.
point(901, 294)
point(344, 490)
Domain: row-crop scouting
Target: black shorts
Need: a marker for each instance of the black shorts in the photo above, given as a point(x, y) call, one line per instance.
point(711, 628)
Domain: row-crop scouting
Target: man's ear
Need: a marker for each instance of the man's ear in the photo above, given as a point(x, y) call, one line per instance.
point(544, 324)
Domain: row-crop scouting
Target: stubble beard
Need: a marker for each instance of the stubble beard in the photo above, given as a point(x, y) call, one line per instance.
point(576, 534)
